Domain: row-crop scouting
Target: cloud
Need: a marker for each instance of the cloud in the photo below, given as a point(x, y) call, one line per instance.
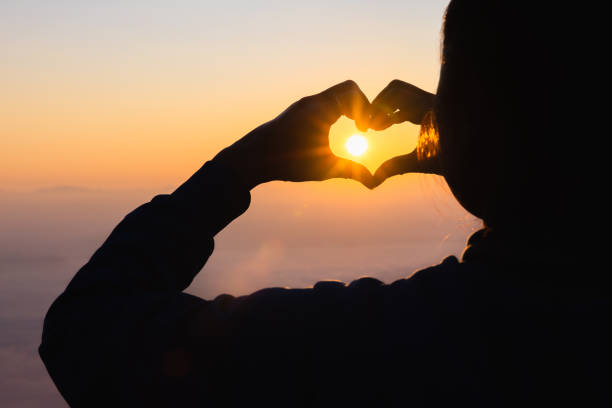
point(66, 190)
point(16, 257)
point(24, 381)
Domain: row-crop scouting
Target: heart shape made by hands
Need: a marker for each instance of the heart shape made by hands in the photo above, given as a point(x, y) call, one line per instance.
point(382, 145)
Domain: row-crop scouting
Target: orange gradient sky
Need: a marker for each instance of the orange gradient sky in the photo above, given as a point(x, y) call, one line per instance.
point(126, 99)
point(137, 94)
point(105, 104)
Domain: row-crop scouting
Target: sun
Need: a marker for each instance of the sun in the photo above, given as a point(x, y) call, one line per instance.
point(356, 145)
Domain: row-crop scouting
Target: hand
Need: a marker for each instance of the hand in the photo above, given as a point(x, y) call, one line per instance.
point(400, 102)
point(295, 145)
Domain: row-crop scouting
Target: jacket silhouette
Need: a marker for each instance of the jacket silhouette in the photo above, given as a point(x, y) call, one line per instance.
point(490, 330)
point(522, 319)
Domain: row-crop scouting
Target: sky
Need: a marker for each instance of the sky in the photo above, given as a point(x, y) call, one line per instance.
point(105, 104)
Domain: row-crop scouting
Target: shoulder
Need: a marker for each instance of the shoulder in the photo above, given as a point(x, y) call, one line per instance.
point(449, 268)
point(438, 286)
point(445, 274)
point(443, 287)
point(443, 280)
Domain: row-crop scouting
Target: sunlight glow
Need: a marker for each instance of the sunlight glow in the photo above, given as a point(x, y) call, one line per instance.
point(356, 145)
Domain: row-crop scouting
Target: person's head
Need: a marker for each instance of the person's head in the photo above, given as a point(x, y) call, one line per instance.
point(502, 112)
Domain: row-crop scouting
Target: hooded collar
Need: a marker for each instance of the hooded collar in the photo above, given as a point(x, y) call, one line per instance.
point(534, 256)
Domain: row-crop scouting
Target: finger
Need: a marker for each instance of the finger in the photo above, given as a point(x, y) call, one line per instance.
point(345, 168)
point(383, 121)
point(384, 107)
point(351, 102)
point(381, 99)
point(400, 116)
point(400, 102)
point(407, 163)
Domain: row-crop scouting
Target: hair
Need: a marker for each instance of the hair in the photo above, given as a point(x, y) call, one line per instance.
point(428, 144)
point(500, 122)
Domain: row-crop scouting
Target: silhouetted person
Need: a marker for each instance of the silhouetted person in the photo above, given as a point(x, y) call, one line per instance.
point(520, 320)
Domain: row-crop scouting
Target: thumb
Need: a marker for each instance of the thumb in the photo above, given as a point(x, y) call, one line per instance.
point(346, 168)
point(407, 163)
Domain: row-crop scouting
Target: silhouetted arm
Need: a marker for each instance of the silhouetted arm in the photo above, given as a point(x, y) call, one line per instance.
point(124, 334)
point(109, 333)
point(105, 333)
